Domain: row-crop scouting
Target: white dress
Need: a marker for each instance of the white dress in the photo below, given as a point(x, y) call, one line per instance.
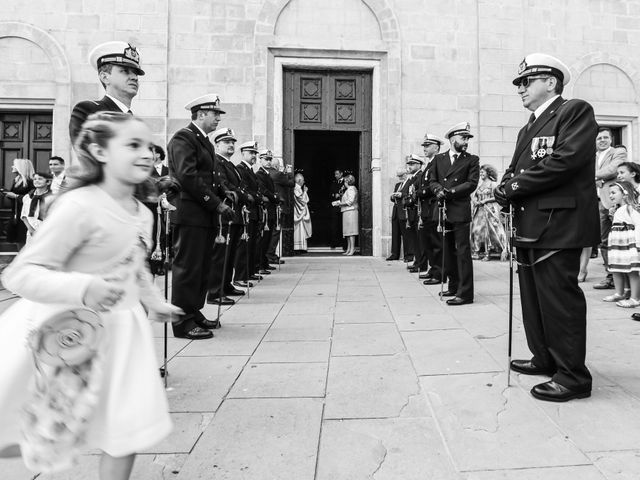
point(88, 234)
point(302, 229)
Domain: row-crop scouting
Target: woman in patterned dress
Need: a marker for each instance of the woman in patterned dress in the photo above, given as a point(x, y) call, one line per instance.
point(487, 229)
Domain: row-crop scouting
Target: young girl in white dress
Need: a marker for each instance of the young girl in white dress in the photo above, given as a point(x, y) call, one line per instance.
point(624, 244)
point(90, 252)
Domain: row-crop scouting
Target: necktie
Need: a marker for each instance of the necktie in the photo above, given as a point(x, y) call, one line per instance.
point(455, 157)
point(129, 112)
point(532, 119)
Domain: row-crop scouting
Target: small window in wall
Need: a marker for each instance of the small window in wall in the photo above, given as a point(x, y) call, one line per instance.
point(616, 132)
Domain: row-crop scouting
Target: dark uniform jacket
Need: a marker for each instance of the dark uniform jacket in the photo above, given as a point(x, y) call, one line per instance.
point(550, 179)
point(83, 109)
point(231, 181)
point(251, 187)
point(397, 203)
point(192, 165)
point(426, 197)
point(409, 200)
point(460, 179)
point(268, 189)
point(284, 184)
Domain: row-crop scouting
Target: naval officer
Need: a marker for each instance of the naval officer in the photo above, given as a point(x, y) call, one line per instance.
point(549, 184)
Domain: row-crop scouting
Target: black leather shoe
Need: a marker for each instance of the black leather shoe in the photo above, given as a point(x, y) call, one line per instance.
point(554, 392)
point(414, 270)
point(196, 333)
point(271, 268)
point(206, 323)
point(606, 284)
point(448, 293)
point(264, 272)
point(635, 316)
point(220, 300)
point(243, 284)
point(432, 281)
point(390, 259)
point(234, 291)
point(458, 301)
point(528, 368)
point(255, 277)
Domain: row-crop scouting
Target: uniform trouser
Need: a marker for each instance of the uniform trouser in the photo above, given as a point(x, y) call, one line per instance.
point(458, 265)
point(430, 249)
point(412, 238)
point(335, 228)
point(192, 249)
point(408, 239)
point(263, 247)
point(396, 238)
point(554, 313)
point(272, 252)
point(217, 262)
point(605, 228)
point(244, 263)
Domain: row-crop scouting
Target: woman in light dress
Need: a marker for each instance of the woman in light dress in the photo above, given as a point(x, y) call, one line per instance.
point(487, 229)
point(348, 204)
point(301, 216)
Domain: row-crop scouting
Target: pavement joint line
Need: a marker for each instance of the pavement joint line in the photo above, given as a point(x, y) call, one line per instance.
point(369, 355)
point(457, 374)
point(296, 397)
point(519, 469)
point(443, 439)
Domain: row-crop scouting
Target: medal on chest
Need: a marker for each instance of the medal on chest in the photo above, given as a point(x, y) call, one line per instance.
point(541, 147)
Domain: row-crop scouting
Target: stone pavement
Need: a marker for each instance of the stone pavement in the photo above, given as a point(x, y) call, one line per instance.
point(348, 369)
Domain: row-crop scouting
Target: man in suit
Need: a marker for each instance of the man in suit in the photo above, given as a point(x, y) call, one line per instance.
point(271, 201)
point(397, 238)
point(453, 178)
point(283, 181)
point(336, 189)
point(428, 236)
point(549, 185)
point(409, 203)
point(224, 140)
point(118, 66)
point(160, 168)
point(607, 160)
point(245, 262)
point(192, 164)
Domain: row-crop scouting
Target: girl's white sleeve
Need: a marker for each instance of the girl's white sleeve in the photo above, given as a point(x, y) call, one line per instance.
point(37, 272)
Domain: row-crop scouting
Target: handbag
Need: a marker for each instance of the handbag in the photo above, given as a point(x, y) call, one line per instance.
point(11, 227)
point(68, 377)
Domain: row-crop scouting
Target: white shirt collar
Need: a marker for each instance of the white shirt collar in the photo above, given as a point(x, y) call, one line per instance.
point(452, 153)
point(201, 130)
point(120, 105)
point(538, 111)
point(604, 152)
point(247, 163)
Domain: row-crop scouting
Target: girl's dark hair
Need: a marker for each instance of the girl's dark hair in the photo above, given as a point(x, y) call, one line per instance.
point(629, 192)
point(633, 168)
point(491, 172)
point(43, 174)
point(158, 149)
point(98, 129)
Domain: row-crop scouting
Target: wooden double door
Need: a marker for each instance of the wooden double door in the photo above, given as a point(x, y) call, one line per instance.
point(22, 135)
point(327, 116)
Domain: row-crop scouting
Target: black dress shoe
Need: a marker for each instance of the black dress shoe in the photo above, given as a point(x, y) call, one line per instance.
point(448, 293)
point(269, 267)
point(206, 324)
point(554, 392)
point(433, 281)
point(458, 301)
point(635, 316)
point(220, 300)
point(390, 259)
point(234, 291)
point(255, 277)
point(264, 272)
point(196, 333)
point(243, 284)
point(414, 270)
point(529, 368)
point(606, 284)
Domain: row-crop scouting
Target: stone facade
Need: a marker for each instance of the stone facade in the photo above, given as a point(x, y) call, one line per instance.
point(435, 63)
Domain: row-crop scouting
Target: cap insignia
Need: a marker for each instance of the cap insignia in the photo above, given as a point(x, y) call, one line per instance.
point(132, 54)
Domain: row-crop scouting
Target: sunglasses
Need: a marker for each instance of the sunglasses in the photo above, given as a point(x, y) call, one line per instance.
point(526, 81)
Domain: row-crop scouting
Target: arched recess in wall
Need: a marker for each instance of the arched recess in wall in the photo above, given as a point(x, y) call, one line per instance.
point(383, 55)
point(61, 73)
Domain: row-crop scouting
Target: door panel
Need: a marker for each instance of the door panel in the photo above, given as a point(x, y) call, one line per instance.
point(331, 100)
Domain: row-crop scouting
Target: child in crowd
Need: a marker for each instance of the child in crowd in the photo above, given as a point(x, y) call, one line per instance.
point(90, 252)
point(34, 204)
point(629, 172)
point(624, 257)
